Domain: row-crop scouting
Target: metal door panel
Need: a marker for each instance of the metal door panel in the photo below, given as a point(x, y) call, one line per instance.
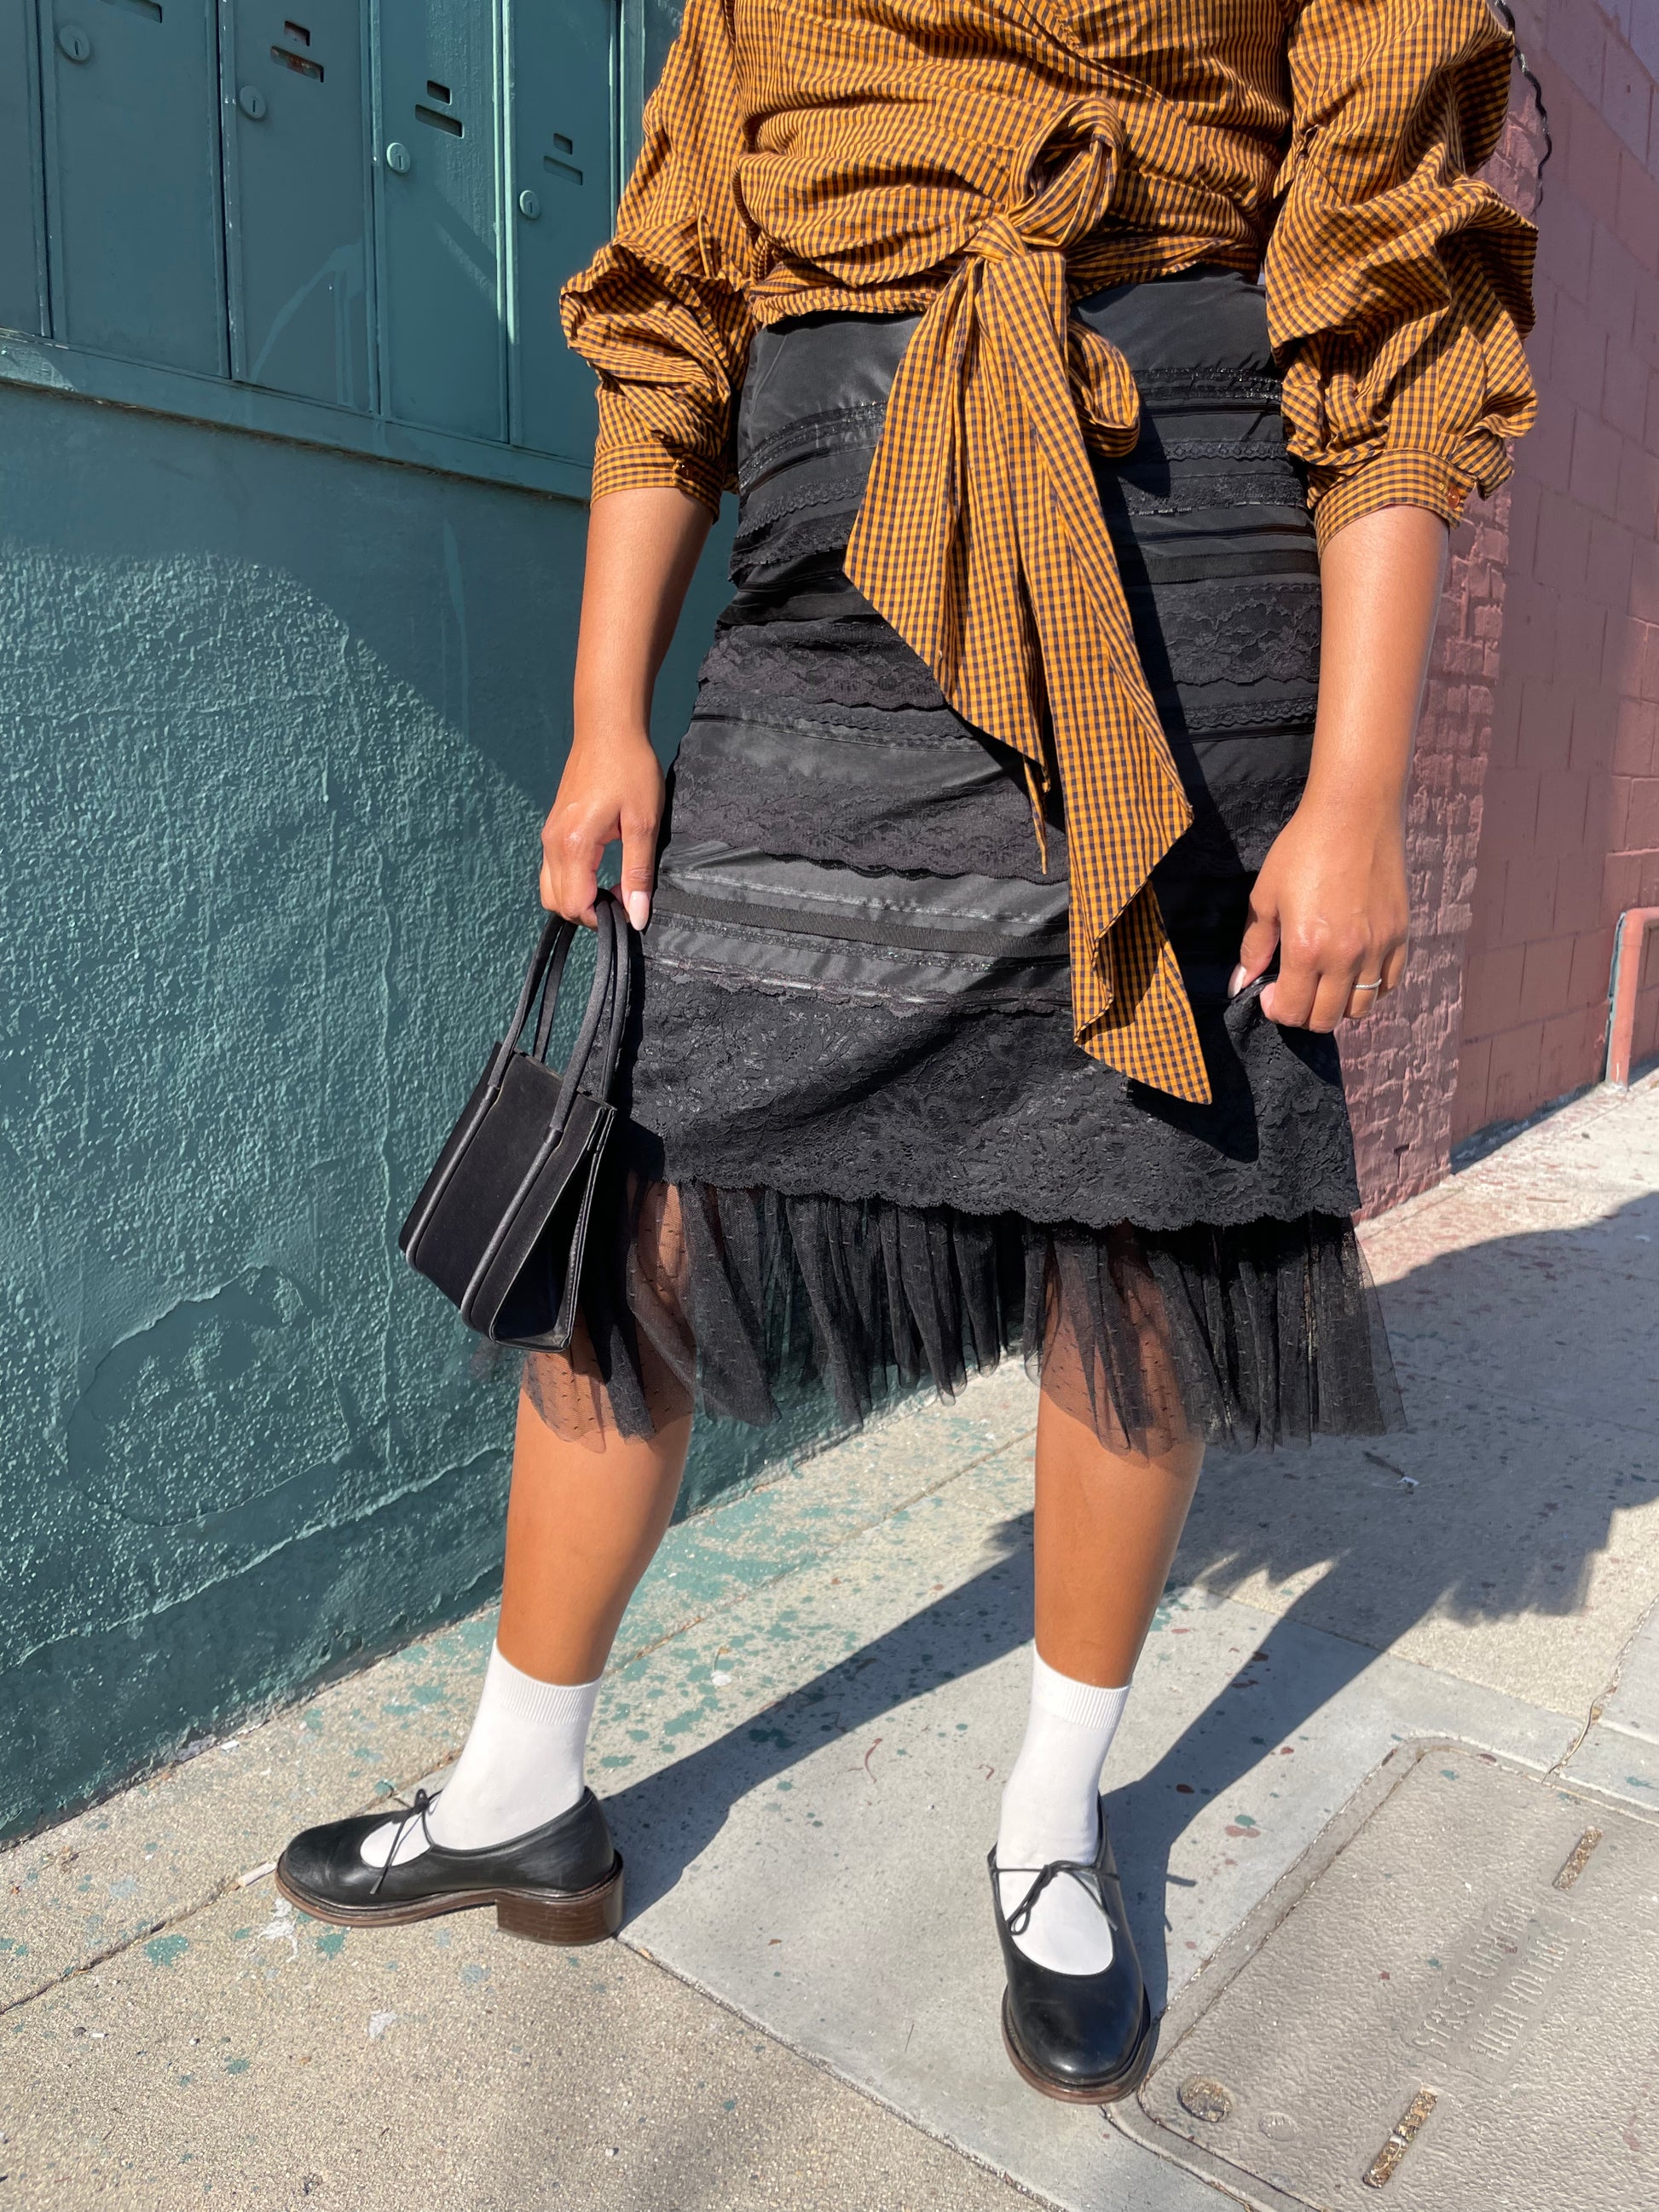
point(297, 197)
point(22, 258)
point(131, 113)
point(562, 114)
point(443, 340)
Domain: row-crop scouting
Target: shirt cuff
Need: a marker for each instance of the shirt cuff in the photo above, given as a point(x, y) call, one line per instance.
point(647, 467)
point(1401, 478)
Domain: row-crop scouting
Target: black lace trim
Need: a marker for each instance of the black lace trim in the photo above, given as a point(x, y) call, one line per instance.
point(993, 1109)
point(1220, 493)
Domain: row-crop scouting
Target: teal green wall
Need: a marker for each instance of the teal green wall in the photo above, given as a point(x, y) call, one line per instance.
point(280, 726)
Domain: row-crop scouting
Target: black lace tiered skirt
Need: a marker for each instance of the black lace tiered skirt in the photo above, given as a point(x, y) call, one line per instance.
point(862, 1148)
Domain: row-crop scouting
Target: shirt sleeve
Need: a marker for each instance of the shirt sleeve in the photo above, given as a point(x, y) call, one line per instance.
point(660, 312)
point(1399, 285)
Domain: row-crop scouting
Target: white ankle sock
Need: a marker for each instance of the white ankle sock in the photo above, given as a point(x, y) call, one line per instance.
point(1051, 1810)
point(521, 1767)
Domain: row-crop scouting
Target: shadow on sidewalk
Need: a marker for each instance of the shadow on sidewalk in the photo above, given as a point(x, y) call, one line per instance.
point(1519, 1517)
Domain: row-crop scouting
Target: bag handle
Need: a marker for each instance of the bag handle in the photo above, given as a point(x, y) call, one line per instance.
point(552, 950)
point(608, 993)
point(544, 1035)
point(621, 993)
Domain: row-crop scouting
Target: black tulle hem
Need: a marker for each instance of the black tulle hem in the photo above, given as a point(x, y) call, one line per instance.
point(745, 1304)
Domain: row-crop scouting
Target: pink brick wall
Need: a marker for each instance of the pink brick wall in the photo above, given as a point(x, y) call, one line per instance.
point(1401, 1065)
point(1534, 816)
point(1570, 830)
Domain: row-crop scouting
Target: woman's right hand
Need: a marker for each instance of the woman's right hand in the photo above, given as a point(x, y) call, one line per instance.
point(612, 787)
point(643, 546)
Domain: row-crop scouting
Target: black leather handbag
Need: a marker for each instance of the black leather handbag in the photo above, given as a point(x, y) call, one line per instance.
point(501, 1224)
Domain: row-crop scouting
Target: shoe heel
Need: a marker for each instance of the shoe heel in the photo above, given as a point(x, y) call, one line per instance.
point(588, 1917)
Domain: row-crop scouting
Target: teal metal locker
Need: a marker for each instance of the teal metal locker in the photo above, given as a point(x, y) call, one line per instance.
point(297, 198)
point(438, 175)
point(134, 220)
point(22, 241)
point(563, 71)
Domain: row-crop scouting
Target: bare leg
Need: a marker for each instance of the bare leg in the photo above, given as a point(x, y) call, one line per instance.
point(1107, 1527)
point(581, 1527)
point(583, 1521)
point(1108, 1523)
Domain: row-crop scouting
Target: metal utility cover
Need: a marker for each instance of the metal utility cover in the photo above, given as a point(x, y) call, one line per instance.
point(1451, 2002)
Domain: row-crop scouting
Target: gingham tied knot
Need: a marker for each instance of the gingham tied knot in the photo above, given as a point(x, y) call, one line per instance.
point(981, 540)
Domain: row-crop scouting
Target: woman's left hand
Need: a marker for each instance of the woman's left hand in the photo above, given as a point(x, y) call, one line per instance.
point(1332, 901)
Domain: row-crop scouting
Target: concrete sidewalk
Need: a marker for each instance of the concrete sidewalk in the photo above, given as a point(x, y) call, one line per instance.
point(821, 1686)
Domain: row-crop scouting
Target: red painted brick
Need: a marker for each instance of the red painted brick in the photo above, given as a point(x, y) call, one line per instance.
point(1546, 975)
point(1643, 600)
point(1469, 1101)
point(1607, 569)
point(1627, 96)
point(1578, 891)
point(1512, 1085)
point(1639, 490)
point(1644, 1037)
point(1529, 634)
point(1607, 812)
point(1617, 812)
point(1528, 897)
point(1628, 660)
point(1492, 990)
point(1578, 359)
point(1525, 496)
point(1563, 805)
point(1624, 389)
point(1616, 278)
point(1594, 715)
point(1545, 724)
point(1647, 323)
point(1548, 449)
point(1577, 45)
point(1571, 1050)
point(1597, 453)
point(1636, 739)
point(1643, 31)
point(1580, 630)
point(1622, 882)
point(1510, 810)
point(1638, 208)
point(1593, 166)
point(1641, 829)
point(1592, 965)
point(1564, 246)
point(1563, 555)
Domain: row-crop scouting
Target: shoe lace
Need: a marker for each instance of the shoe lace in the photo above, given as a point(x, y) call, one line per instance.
point(423, 1802)
point(1081, 1871)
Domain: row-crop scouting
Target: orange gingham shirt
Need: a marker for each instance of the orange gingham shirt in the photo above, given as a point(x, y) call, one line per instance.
point(985, 163)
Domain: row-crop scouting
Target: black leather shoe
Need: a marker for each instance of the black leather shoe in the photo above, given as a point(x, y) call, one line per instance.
point(560, 1884)
point(1087, 2039)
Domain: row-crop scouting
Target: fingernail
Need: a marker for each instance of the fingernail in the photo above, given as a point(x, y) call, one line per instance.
point(638, 908)
point(1237, 981)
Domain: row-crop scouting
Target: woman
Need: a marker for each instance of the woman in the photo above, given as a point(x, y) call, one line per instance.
point(1041, 817)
